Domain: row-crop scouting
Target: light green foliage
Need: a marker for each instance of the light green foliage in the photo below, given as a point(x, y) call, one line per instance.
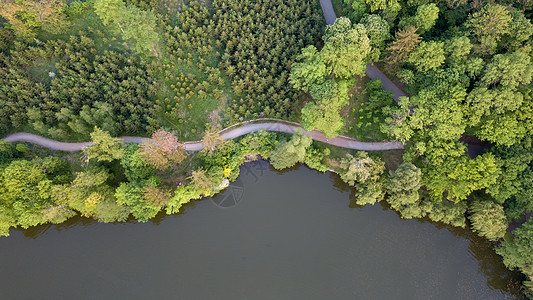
point(427, 56)
point(488, 219)
point(514, 183)
point(380, 5)
point(26, 17)
point(488, 25)
point(508, 70)
point(323, 114)
point(455, 178)
point(369, 192)
point(402, 187)
point(109, 10)
point(323, 117)
point(436, 114)
point(517, 251)
point(396, 122)
point(425, 18)
point(325, 74)
point(26, 193)
point(182, 195)
point(133, 22)
point(346, 49)
point(105, 147)
point(288, 153)
point(482, 101)
point(457, 49)
point(141, 26)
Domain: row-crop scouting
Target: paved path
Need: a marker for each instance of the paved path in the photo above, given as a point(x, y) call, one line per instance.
point(241, 129)
point(371, 71)
point(231, 132)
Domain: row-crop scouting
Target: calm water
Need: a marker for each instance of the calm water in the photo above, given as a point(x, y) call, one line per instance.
point(289, 236)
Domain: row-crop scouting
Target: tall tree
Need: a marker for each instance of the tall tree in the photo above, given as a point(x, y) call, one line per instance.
point(488, 219)
point(287, 154)
point(346, 49)
point(402, 187)
point(105, 147)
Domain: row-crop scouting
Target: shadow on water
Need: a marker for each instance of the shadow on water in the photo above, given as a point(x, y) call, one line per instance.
point(490, 264)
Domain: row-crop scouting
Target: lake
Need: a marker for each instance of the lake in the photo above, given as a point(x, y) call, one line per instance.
point(270, 235)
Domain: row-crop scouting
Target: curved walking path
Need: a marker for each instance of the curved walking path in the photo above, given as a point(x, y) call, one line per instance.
point(244, 128)
point(230, 132)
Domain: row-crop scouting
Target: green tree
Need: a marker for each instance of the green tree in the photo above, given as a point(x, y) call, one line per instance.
point(517, 251)
point(133, 22)
point(104, 148)
point(403, 187)
point(425, 18)
point(508, 70)
point(488, 219)
point(323, 117)
point(346, 49)
point(455, 178)
point(488, 25)
point(360, 168)
point(287, 154)
point(378, 31)
point(26, 17)
point(311, 69)
point(132, 196)
point(427, 56)
point(135, 167)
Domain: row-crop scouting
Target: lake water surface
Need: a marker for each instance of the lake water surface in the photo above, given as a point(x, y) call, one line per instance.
point(269, 236)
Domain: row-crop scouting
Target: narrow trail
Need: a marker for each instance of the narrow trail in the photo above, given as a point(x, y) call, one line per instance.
point(244, 128)
point(231, 132)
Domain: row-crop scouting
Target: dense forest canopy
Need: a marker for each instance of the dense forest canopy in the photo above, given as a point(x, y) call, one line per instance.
point(180, 70)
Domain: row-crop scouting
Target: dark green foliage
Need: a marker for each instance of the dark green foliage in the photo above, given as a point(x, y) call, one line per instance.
point(314, 158)
point(84, 89)
point(135, 168)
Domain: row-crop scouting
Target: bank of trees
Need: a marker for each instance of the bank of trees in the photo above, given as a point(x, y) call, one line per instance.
point(467, 66)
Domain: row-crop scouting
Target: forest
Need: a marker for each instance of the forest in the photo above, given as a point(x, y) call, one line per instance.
point(181, 70)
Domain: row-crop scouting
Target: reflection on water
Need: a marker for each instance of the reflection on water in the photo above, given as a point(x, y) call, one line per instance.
point(293, 235)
